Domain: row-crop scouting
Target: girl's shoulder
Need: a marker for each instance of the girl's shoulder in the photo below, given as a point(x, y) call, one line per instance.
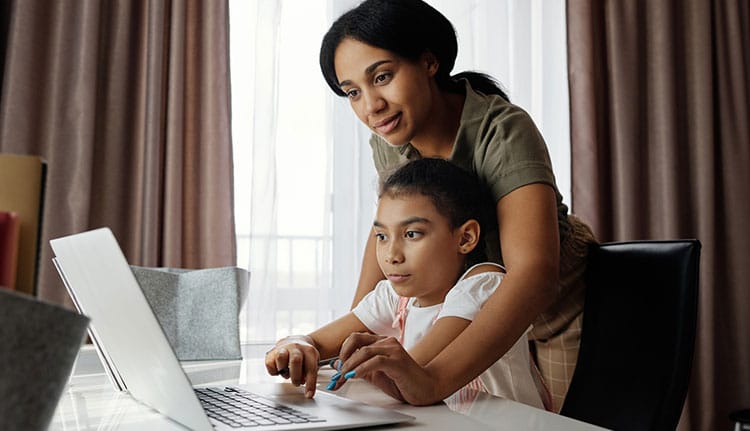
point(482, 268)
point(476, 285)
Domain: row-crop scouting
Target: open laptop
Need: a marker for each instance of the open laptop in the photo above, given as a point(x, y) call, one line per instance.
point(142, 361)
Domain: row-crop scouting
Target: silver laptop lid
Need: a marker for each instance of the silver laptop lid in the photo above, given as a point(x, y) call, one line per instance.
point(106, 290)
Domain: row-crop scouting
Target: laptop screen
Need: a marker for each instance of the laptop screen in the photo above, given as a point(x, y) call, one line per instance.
point(105, 289)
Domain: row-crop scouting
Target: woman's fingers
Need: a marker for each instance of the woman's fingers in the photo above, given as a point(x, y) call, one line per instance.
point(386, 364)
point(385, 354)
point(355, 342)
point(364, 353)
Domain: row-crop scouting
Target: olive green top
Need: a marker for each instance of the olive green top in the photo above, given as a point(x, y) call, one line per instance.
point(498, 142)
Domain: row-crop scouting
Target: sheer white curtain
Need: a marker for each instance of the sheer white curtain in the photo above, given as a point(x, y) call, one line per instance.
point(282, 165)
point(305, 184)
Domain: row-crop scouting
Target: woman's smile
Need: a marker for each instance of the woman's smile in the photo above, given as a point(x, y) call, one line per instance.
point(387, 125)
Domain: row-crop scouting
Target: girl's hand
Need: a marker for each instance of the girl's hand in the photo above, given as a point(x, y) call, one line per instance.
point(383, 362)
point(295, 358)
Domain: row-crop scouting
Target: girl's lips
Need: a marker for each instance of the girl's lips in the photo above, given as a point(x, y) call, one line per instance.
point(387, 126)
point(398, 278)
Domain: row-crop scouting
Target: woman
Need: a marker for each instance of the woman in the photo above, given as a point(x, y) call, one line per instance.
point(392, 59)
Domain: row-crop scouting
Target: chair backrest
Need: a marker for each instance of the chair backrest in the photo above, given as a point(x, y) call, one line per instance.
point(638, 335)
point(22, 184)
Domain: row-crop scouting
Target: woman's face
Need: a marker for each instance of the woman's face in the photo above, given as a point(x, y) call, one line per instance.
point(392, 95)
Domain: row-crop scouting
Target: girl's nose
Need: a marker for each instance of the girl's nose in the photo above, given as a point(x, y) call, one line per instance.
point(394, 255)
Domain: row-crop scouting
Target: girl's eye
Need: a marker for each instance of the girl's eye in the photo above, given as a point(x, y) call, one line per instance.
point(412, 234)
point(382, 78)
point(380, 236)
point(352, 93)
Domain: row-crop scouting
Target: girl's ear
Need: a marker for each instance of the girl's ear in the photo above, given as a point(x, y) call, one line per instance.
point(469, 236)
point(431, 63)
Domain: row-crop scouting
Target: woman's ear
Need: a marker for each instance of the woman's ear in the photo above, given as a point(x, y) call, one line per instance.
point(468, 236)
point(431, 63)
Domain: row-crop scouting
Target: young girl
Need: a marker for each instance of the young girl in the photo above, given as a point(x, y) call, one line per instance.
point(393, 60)
point(427, 228)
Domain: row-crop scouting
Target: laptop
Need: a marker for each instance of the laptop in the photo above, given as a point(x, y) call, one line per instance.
point(139, 358)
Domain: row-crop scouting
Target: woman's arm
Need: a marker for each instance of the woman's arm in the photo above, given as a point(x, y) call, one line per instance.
point(530, 242)
point(370, 273)
point(440, 335)
point(527, 219)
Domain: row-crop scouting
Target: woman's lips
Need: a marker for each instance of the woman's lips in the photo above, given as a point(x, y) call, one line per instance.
point(386, 126)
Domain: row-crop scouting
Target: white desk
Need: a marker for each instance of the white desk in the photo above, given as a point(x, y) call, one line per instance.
point(90, 402)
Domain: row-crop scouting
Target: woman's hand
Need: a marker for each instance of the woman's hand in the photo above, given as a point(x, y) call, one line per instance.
point(295, 358)
point(383, 362)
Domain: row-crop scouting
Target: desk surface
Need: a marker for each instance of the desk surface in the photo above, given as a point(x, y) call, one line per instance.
point(89, 402)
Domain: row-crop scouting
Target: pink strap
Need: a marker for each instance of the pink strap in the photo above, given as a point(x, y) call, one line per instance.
point(400, 320)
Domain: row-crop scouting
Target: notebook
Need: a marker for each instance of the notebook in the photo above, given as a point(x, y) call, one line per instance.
point(140, 359)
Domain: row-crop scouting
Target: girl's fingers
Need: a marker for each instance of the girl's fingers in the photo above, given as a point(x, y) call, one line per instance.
point(296, 367)
point(270, 362)
point(311, 374)
point(280, 359)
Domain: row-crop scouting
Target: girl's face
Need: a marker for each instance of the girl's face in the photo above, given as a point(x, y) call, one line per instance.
point(416, 248)
point(393, 96)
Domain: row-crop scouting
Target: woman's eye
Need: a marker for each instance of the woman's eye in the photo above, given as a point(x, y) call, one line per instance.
point(380, 236)
point(413, 234)
point(352, 94)
point(382, 78)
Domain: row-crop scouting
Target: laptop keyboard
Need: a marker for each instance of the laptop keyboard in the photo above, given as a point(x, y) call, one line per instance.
point(238, 409)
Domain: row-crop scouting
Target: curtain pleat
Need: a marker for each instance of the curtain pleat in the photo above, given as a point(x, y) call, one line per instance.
point(128, 101)
point(660, 129)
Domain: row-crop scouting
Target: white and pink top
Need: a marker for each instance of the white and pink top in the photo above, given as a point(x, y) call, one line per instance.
point(383, 312)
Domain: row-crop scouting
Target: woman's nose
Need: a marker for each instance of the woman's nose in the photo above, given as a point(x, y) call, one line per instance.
point(374, 102)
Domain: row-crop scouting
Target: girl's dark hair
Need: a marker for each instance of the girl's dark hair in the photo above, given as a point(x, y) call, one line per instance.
point(408, 28)
point(456, 194)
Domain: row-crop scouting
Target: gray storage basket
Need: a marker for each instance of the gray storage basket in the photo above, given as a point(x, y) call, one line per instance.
point(197, 309)
point(38, 346)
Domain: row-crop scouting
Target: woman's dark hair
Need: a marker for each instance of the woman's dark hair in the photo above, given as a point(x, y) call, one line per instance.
point(456, 194)
point(408, 28)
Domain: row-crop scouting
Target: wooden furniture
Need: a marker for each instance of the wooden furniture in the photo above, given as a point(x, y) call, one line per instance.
point(22, 183)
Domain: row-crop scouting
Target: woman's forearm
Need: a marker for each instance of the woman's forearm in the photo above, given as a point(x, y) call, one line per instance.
point(370, 274)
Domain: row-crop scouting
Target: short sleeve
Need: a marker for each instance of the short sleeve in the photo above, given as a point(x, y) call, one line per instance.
point(513, 153)
point(468, 295)
point(378, 309)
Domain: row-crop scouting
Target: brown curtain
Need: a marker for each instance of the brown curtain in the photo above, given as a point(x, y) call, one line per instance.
point(660, 126)
point(128, 101)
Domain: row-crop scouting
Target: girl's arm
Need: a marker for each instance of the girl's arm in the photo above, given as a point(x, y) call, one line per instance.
point(296, 357)
point(445, 330)
point(527, 219)
point(370, 273)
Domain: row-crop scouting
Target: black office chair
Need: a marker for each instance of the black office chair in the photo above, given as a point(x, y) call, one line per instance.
point(638, 335)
